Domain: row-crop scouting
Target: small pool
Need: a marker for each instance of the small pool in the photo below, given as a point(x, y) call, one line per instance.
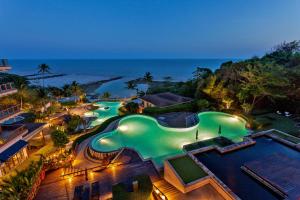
point(151, 140)
point(13, 120)
point(105, 111)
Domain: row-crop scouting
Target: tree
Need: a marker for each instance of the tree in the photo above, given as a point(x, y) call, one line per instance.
point(76, 90)
point(148, 77)
point(106, 95)
point(132, 107)
point(22, 93)
point(261, 81)
point(67, 91)
point(202, 73)
point(74, 122)
point(20, 184)
point(227, 102)
point(43, 68)
point(59, 138)
point(215, 89)
point(131, 85)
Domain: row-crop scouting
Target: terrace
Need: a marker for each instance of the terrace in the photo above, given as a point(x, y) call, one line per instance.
point(8, 111)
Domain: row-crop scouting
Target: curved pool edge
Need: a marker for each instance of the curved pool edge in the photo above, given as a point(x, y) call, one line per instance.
point(104, 134)
point(100, 154)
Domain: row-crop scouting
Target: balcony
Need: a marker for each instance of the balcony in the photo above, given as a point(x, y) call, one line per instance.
point(7, 89)
point(11, 133)
point(4, 68)
point(9, 111)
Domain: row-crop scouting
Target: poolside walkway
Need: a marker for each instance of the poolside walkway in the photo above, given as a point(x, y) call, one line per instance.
point(81, 161)
point(178, 119)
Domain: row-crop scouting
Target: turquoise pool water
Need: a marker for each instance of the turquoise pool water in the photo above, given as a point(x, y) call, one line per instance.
point(105, 111)
point(151, 140)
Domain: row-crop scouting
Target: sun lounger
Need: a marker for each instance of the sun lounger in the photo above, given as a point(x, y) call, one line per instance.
point(86, 193)
point(287, 114)
point(95, 191)
point(78, 192)
point(278, 112)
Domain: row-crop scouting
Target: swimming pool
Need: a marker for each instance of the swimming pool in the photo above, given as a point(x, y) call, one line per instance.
point(105, 111)
point(152, 140)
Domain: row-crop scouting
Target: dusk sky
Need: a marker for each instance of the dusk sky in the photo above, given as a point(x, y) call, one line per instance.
point(145, 28)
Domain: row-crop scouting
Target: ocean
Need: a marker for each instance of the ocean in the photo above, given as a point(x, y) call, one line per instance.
point(84, 70)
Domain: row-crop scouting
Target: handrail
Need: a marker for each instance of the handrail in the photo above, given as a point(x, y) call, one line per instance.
point(9, 111)
point(5, 87)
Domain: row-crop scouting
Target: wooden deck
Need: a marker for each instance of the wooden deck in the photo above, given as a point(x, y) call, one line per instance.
point(54, 187)
point(207, 192)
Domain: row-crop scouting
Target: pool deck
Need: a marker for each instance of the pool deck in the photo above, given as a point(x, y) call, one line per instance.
point(177, 119)
point(55, 187)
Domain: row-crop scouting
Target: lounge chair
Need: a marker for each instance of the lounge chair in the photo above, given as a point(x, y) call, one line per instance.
point(95, 191)
point(278, 112)
point(287, 114)
point(78, 192)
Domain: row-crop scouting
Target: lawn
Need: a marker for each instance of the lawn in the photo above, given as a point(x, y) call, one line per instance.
point(279, 122)
point(219, 141)
point(187, 169)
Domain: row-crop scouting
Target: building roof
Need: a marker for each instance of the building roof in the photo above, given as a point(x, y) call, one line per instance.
point(165, 99)
point(12, 150)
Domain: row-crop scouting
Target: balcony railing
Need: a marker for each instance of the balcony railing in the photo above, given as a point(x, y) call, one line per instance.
point(4, 68)
point(14, 131)
point(7, 87)
point(6, 112)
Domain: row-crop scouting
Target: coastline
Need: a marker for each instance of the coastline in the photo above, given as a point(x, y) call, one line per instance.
point(92, 86)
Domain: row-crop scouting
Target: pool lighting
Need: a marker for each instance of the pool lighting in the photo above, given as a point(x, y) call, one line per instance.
point(234, 118)
point(123, 128)
point(104, 141)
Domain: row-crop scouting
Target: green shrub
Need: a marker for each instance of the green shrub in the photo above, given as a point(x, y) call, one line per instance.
point(73, 123)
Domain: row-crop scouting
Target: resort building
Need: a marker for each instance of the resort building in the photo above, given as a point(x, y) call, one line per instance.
point(4, 65)
point(14, 133)
point(164, 99)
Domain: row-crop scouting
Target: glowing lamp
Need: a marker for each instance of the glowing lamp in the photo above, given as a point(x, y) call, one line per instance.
point(123, 128)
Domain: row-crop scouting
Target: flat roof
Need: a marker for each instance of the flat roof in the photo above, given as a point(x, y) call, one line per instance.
point(165, 99)
point(12, 150)
point(187, 169)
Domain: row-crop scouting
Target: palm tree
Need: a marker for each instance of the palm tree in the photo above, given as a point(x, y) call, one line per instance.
point(106, 95)
point(131, 85)
point(148, 77)
point(22, 93)
point(44, 68)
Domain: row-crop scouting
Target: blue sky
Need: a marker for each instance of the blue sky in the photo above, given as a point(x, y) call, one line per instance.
point(145, 28)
